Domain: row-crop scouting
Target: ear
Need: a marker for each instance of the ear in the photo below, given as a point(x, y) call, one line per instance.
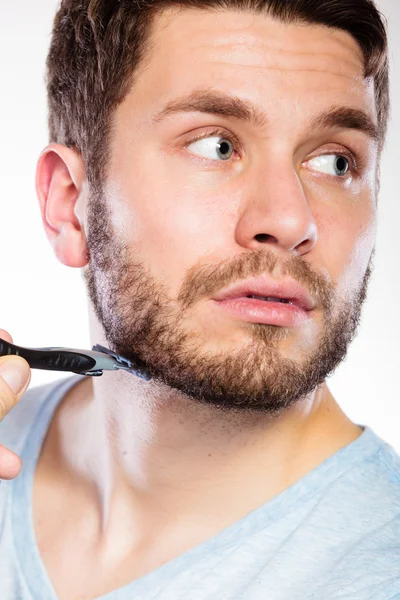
point(60, 188)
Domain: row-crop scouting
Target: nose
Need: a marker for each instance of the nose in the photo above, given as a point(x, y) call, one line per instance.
point(276, 211)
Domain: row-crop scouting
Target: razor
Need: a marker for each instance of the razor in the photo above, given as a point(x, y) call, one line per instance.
point(82, 362)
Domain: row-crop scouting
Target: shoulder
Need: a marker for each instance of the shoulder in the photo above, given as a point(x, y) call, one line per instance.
point(366, 524)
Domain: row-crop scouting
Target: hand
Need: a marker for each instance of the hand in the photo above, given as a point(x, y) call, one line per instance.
point(15, 377)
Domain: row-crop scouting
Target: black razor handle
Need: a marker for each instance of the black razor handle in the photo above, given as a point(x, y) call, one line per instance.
point(54, 360)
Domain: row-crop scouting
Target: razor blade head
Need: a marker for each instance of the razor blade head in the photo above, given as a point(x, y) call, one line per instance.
point(124, 364)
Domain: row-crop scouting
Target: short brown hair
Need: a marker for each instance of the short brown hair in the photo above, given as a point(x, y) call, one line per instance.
point(97, 45)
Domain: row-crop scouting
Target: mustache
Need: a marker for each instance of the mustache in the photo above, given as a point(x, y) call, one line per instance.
point(204, 280)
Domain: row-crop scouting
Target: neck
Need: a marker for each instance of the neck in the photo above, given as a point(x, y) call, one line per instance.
point(150, 459)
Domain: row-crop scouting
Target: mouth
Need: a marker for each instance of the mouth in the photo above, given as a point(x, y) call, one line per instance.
point(267, 290)
point(271, 299)
point(267, 310)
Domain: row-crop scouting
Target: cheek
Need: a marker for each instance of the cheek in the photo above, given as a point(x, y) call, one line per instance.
point(184, 233)
point(357, 261)
point(170, 226)
point(346, 245)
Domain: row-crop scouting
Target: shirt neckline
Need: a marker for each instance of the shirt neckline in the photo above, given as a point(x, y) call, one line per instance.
point(28, 554)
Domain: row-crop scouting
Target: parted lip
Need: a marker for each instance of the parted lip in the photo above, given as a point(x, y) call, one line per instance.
point(287, 289)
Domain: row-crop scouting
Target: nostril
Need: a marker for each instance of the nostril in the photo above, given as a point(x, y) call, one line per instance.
point(263, 237)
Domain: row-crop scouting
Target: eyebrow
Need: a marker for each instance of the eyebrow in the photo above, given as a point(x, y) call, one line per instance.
point(218, 103)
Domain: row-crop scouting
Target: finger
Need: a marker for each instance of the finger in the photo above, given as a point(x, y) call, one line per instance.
point(15, 376)
point(10, 464)
point(6, 336)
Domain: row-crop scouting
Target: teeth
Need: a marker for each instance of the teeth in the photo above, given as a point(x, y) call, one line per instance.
point(270, 299)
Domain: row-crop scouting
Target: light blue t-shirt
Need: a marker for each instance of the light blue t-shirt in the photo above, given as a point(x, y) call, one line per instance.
point(334, 534)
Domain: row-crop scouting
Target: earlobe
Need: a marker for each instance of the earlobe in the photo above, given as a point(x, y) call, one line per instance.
point(60, 178)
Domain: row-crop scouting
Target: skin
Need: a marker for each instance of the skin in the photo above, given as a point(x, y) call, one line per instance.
point(141, 472)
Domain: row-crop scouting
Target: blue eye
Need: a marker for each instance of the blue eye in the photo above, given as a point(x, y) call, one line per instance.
point(332, 164)
point(213, 147)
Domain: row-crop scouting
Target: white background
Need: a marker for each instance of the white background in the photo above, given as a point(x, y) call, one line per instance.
point(44, 303)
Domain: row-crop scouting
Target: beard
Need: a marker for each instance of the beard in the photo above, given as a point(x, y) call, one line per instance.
point(143, 324)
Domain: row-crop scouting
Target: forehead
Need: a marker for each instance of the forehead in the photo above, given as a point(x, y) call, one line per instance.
point(257, 38)
point(254, 57)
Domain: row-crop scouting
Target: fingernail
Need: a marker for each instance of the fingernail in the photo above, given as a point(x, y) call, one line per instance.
point(15, 373)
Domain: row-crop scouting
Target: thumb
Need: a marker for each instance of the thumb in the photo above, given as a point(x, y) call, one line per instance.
point(15, 376)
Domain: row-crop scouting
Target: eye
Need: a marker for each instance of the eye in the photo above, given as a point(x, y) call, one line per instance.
point(213, 147)
point(332, 164)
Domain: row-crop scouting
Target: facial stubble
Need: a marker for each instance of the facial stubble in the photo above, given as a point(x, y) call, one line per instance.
point(143, 323)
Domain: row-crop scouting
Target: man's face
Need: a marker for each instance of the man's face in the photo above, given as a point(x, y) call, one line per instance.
point(180, 218)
